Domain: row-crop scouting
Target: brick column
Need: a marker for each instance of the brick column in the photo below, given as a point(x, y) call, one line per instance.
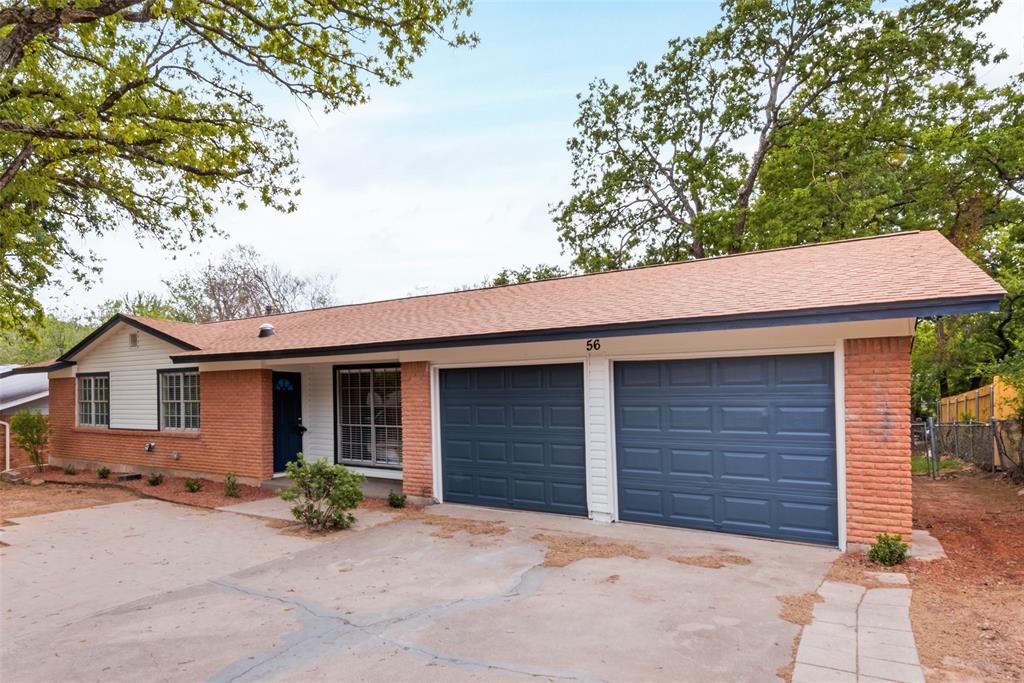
point(417, 442)
point(878, 480)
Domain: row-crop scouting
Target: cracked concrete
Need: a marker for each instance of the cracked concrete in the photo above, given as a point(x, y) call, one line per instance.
point(152, 591)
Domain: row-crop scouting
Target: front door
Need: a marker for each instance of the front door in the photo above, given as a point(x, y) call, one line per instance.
point(288, 427)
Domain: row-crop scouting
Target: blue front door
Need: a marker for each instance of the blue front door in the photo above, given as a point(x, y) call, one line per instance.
point(288, 427)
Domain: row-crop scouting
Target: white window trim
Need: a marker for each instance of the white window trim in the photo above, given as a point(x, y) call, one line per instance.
point(161, 374)
point(91, 376)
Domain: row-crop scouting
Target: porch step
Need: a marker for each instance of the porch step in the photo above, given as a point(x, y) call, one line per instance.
point(276, 484)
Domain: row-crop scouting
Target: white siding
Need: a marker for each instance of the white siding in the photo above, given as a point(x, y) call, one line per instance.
point(133, 374)
point(318, 412)
point(597, 406)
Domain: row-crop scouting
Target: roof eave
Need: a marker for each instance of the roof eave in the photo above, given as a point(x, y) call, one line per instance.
point(25, 370)
point(911, 309)
point(122, 318)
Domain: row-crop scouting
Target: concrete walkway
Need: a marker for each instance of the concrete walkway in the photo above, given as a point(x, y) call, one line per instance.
point(859, 636)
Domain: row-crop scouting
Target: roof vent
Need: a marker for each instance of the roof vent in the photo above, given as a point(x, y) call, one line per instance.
point(267, 330)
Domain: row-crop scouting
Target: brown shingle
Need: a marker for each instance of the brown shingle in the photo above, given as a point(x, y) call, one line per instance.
point(912, 267)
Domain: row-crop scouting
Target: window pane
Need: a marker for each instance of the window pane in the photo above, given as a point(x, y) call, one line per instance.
point(85, 413)
point(85, 388)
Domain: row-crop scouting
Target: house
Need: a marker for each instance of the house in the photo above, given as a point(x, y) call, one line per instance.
point(18, 393)
point(763, 393)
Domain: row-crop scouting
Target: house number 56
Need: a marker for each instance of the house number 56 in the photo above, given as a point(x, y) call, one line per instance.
point(593, 344)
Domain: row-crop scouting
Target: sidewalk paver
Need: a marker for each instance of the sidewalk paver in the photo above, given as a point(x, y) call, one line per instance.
point(859, 635)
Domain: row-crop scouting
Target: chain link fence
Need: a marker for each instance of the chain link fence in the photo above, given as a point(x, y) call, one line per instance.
point(990, 446)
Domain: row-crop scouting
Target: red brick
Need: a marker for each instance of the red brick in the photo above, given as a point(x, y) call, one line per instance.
point(235, 434)
point(879, 494)
point(417, 439)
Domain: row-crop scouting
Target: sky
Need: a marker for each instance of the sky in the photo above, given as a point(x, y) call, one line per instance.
point(448, 178)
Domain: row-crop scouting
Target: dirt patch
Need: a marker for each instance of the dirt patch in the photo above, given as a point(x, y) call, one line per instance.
point(799, 610)
point(564, 550)
point(447, 526)
point(967, 610)
point(22, 500)
point(172, 489)
point(714, 561)
point(856, 568)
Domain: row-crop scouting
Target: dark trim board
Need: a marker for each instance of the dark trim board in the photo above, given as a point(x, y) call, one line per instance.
point(159, 408)
point(913, 309)
point(52, 367)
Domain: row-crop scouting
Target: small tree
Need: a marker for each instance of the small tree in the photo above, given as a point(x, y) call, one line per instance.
point(31, 430)
point(323, 493)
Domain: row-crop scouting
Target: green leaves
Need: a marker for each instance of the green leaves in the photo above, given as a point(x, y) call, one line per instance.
point(141, 112)
point(798, 122)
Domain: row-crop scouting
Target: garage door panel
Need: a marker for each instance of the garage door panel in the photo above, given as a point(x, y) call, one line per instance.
point(692, 509)
point(691, 419)
point(745, 419)
point(491, 452)
point(691, 464)
point(745, 372)
point(526, 437)
point(763, 463)
point(805, 421)
point(745, 467)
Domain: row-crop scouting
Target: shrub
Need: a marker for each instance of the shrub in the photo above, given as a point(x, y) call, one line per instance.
point(323, 493)
point(103, 472)
point(889, 550)
point(193, 485)
point(70, 469)
point(155, 479)
point(231, 485)
point(396, 500)
point(31, 431)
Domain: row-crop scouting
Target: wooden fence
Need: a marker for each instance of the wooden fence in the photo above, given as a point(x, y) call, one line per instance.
point(979, 405)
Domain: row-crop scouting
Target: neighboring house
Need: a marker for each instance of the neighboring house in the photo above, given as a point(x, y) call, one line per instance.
point(18, 393)
point(764, 394)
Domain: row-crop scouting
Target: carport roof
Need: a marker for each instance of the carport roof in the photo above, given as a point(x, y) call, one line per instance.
point(908, 274)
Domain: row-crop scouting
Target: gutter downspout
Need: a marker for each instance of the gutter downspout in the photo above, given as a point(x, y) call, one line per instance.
point(7, 445)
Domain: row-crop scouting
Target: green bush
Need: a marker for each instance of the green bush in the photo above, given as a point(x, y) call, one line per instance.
point(103, 472)
point(31, 431)
point(70, 469)
point(889, 550)
point(396, 500)
point(193, 485)
point(323, 493)
point(231, 485)
point(155, 479)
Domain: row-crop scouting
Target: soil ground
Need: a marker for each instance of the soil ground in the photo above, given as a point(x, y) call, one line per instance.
point(968, 610)
point(21, 500)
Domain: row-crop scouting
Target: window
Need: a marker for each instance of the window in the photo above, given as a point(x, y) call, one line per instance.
point(369, 416)
point(94, 400)
point(179, 400)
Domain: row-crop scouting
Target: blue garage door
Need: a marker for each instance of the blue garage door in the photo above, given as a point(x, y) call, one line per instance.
point(513, 437)
point(745, 445)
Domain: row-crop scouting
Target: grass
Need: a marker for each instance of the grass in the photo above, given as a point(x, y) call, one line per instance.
point(919, 464)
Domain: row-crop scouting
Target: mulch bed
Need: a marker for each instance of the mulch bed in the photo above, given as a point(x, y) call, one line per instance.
point(172, 489)
point(968, 610)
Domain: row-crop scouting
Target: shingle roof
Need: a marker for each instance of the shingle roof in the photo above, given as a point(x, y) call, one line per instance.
point(885, 273)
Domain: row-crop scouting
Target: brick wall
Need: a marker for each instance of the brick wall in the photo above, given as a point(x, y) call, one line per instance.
point(417, 443)
point(235, 435)
point(878, 479)
point(19, 458)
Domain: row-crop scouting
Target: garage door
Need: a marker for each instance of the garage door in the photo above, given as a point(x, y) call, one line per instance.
point(513, 437)
point(745, 445)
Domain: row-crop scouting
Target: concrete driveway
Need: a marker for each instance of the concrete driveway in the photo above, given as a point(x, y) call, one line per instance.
point(148, 591)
